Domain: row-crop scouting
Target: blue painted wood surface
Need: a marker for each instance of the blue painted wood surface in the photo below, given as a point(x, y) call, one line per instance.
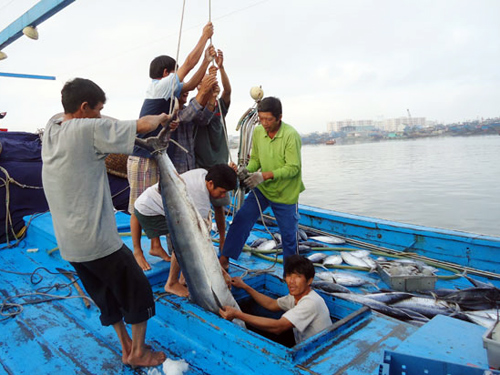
point(65, 337)
point(444, 346)
point(29, 76)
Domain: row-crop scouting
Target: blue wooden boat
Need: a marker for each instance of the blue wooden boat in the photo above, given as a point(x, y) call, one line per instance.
point(46, 327)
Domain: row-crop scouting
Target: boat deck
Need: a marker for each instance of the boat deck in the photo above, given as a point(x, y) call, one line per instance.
point(48, 334)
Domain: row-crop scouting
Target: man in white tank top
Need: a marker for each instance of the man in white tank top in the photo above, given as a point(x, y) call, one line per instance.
point(201, 185)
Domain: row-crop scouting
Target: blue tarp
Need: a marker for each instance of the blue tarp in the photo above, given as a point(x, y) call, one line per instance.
point(20, 158)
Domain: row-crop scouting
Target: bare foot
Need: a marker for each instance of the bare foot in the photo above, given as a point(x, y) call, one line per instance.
point(182, 280)
point(126, 348)
point(148, 359)
point(160, 252)
point(143, 263)
point(125, 355)
point(177, 289)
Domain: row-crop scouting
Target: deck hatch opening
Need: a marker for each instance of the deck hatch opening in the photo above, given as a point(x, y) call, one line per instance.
point(342, 317)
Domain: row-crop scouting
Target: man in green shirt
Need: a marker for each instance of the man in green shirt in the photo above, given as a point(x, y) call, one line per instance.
point(275, 178)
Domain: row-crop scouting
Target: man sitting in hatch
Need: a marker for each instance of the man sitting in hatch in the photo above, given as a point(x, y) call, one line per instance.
point(305, 311)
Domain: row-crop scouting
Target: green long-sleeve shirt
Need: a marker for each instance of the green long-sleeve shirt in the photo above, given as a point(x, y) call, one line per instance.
point(281, 155)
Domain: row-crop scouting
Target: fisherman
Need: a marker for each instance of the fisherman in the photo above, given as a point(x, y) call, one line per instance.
point(274, 175)
point(142, 170)
point(211, 146)
point(305, 311)
point(189, 117)
point(201, 186)
point(192, 118)
point(77, 191)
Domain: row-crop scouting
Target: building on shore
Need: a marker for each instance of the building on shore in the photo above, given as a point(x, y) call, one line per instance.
point(388, 125)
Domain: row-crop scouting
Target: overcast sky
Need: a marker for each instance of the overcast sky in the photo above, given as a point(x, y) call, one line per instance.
point(326, 60)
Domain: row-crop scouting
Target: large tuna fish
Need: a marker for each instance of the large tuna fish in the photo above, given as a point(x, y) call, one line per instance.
point(189, 234)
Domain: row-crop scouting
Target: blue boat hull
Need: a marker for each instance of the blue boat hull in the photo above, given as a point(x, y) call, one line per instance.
point(63, 336)
point(472, 251)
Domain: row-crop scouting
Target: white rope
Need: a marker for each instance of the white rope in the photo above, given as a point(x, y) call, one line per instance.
point(210, 20)
point(179, 145)
point(172, 94)
point(223, 120)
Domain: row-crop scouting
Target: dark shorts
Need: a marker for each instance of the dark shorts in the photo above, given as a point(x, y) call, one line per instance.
point(153, 226)
point(118, 287)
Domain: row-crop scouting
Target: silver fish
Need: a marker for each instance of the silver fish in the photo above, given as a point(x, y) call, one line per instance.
point(277, 237)
point(189, 234)
point(258, 241)
point(317, 257)
point(342, 278)
point(485, 318)
point(478, 283)
point(478, 298)
point(375, 305)
point(304, 249)
point(328, 239)
point(312, 244)
point(267, 245)
point(302, 234)
point(370, 262)
point(353, 261)
point(360, 253)
point(426, 306)
point(389, 297)
point(330, 287)
point(332, 260)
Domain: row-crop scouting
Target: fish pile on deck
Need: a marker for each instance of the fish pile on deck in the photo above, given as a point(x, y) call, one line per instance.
point(306, 242)
point(478, 304)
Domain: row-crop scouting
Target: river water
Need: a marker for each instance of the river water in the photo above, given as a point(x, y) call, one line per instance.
point(445, 182)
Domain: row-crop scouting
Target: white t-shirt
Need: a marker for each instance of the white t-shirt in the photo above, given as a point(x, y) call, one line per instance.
point(308, 317)
point(162, 88)
point(150, 202)
point(76, 183)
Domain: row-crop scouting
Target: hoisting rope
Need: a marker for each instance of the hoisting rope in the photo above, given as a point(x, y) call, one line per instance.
point(246, 126)
point(223, 120)
point(174, 81)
